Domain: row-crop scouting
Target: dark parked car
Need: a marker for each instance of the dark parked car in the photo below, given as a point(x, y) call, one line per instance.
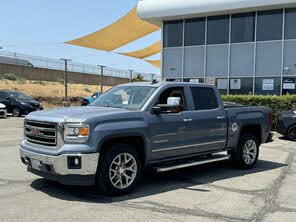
point(286, 124)
point(18, 103)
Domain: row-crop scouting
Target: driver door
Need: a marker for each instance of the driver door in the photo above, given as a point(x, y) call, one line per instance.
point(167, 130)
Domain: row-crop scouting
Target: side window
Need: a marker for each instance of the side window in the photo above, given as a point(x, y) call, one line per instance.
point(204, 98)
point(3, 96)
point(173, 92)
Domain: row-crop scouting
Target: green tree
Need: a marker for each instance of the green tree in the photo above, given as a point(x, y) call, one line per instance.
point(138, 78)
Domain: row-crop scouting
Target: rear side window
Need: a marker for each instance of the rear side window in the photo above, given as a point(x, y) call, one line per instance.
point(3, 95)
point(204, 98)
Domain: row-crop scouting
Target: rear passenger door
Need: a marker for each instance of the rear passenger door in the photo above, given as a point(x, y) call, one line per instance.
point(207, 120)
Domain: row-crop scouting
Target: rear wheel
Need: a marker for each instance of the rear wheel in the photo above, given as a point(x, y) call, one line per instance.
point(247, 153)
point(292, 133)
point(16, 112)
point(119, 170)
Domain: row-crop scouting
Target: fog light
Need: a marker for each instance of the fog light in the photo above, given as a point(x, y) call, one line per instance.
point(74, 162)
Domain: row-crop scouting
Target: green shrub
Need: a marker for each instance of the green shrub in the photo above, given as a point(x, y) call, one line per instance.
point(10, 76)
point(276, 103)
point(61, 81)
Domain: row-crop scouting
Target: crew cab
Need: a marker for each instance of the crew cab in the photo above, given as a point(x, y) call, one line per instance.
point(164, 126)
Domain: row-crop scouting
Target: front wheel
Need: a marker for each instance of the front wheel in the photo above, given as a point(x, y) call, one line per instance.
point(292, 133)
point(119, 170)
point(247, 152)
point(16, 112)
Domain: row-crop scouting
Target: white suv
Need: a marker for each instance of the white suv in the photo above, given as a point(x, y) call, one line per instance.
point(3, 111)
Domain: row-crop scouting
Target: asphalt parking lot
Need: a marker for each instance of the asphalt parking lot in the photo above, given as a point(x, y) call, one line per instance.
point(214, 192)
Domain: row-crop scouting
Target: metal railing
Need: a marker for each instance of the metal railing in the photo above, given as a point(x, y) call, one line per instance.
point(55, 64)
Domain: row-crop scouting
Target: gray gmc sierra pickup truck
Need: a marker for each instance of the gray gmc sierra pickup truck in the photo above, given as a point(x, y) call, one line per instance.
point(133, 126)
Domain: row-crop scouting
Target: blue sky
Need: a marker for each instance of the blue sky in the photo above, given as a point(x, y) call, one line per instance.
point(39, 27)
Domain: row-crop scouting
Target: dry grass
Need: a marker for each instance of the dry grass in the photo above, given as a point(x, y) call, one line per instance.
point(50, 89)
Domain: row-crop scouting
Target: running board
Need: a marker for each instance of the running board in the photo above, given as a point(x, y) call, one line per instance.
point(212, 159)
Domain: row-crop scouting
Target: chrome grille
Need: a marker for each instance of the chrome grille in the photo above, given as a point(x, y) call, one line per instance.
point(42, 133)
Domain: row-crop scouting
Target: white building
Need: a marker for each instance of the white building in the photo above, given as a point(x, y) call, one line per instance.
point(242, 46)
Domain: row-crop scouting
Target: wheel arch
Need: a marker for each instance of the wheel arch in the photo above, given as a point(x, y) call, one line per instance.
point(136, 140)
point(254, 129)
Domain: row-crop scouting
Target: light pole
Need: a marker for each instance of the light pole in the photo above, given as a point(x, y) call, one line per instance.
point(102, 77)
point(152, 77)
point(66, 80)
point(131, 75)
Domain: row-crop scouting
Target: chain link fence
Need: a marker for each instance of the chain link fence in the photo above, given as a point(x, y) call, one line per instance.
point(46, 63)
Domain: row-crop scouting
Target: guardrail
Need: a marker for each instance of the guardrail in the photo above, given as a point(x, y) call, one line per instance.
point(55, 64)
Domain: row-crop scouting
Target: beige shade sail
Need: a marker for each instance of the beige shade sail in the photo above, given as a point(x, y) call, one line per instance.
point(123, 31)
point(156, 63)
point(146, 52)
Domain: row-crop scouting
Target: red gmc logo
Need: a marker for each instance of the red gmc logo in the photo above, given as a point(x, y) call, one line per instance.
point(35, 131)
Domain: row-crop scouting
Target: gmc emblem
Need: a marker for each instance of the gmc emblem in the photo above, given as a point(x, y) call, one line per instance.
point(35, 131)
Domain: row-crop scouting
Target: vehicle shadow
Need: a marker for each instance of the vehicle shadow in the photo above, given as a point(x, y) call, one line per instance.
point(152, 183)
point(285, 138)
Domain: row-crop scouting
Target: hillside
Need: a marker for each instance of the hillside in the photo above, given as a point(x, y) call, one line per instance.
point(50, 91)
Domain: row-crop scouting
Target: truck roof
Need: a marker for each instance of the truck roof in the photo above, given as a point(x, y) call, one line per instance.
point(158, 84)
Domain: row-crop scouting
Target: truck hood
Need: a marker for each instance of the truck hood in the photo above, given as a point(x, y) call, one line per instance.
point(74, 114)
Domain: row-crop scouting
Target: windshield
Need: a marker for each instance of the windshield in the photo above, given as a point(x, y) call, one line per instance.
point(128, 97)
point(21, 96)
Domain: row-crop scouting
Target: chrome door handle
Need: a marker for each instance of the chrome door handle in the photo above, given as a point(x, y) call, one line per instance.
point(221, 117)
point(187, 120)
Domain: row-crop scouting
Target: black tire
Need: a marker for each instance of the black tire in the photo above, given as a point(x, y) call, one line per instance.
point(16, 112)
point(237, 156)
point(292, 133)
point(103, 177)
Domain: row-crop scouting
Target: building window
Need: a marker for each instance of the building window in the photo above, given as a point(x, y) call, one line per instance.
point(268, 86)
point(289, 85)
point(194, 62)
point(243, 27)
point(204, 98)
point(173, 33)
point(222, 85)
point(270, 25)
point(194, 80)
point(195, 31)
point(172, 62)
point(242, 86)
point(218, 29)
point(290, 27)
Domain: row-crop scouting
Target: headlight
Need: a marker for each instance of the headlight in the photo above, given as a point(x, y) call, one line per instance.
point(76, 133)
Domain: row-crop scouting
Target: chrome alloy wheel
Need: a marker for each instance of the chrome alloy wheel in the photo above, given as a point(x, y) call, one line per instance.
point(250, 152)
point(123, 170)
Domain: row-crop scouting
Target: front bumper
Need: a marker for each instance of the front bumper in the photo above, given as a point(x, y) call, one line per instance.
point(3, 113)
point(60, 169)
